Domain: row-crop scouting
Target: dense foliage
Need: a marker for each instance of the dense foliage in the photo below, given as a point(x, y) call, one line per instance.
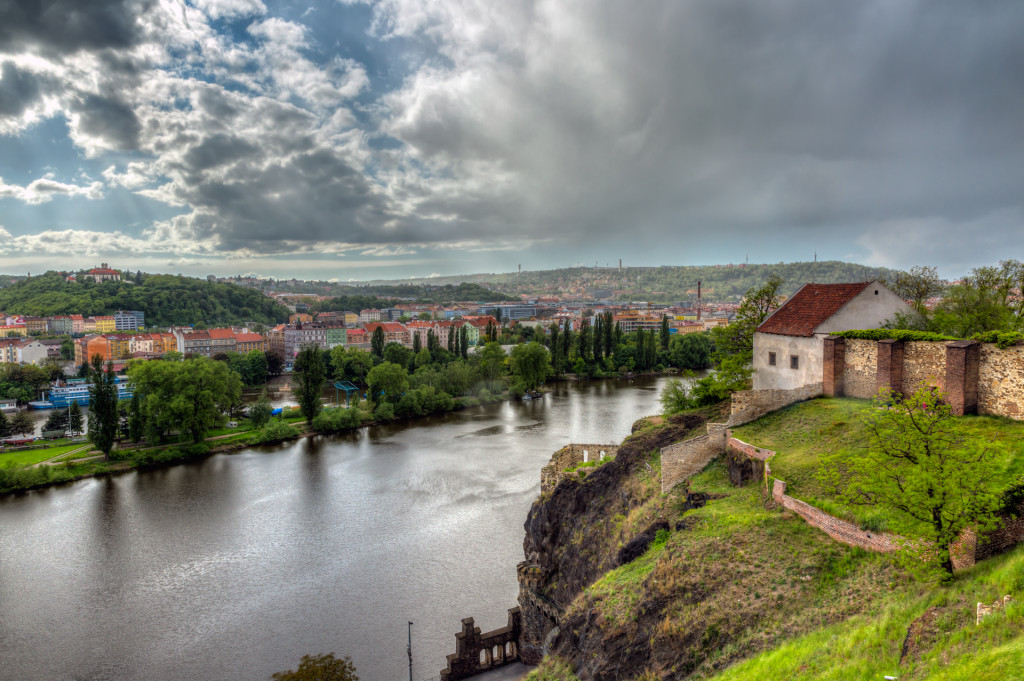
point(165, 299)
point(894, 334)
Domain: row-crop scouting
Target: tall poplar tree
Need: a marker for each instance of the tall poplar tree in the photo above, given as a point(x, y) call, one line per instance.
point(103, 416)
point(464, 342)
point(584, 341)
point(377, 342)
point(598, 351)
point(308, 377)
point(556, 351)
point(664, 335)
point(417, 344)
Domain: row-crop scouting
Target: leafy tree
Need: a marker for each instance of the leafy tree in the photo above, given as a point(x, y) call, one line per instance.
point(424, 316)
point(738, 338)
point(21, 424)
point(191, 396)
point(5, 426)
point(275, 362)
point(259, 367)
point(922, 467)
point(351, 364)
point(585, 340)
point(423, 358)
point(136, 420)
point(464, 342)
point(598, 340)
point(530, 364)
point(492, 364)
point(675, 398)
point(416, 343)
point(260, 411)
point(377, 342)
point(67, 349)
point(988, 299)
point(308, 377)
point(916, 285)
point(663, 334)
point(320, 668)
point(75, 418)
point(691, 351)
point(396, 353)
point(103, 416)
point(387, 379)
point(609, 334)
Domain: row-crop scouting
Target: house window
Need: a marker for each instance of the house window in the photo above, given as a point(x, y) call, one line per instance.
point(794, 362)
point(771, 359)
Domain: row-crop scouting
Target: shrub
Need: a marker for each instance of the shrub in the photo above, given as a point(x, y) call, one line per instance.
point(337, 419)
point(906, 335)
point(275, 431)
point(1002, 339)
point(197, 449)
point(384, 412)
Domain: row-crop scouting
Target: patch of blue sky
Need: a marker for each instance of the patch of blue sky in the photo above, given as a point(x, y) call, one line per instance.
point(119, 210)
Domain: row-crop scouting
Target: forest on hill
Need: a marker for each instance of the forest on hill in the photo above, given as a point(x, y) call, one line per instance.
point(165, 299)
point(667, 283)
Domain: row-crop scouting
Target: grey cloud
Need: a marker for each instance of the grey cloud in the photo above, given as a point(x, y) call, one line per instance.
point(66, 26)
point(109, 119)
point(18, 90)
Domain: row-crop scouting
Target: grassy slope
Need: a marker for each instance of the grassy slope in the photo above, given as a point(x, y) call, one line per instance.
point(799, 433)
point(747, 593)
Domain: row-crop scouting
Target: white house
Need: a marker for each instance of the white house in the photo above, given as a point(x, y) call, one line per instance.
point(788, 345)
point(31, 352)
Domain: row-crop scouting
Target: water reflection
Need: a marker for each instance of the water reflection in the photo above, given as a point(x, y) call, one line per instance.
point(235, 566)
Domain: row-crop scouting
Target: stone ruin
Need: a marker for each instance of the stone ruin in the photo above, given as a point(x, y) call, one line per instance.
point(476, 653)
point(568, 456)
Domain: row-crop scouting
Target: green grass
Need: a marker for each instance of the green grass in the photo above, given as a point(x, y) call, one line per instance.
point(29, 457)
point(798, 434)
point(870, 647)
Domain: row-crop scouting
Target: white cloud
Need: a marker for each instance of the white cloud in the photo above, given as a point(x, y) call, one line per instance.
point(44, 189)
point(219, 9)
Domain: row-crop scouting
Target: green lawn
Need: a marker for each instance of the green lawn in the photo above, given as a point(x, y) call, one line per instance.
point(798, 434)
point(29, 457)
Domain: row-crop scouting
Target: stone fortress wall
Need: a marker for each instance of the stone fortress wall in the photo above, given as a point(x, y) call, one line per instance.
point(568, 456)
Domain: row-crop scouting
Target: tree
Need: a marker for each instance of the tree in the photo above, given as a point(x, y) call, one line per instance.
point(691, 351)
point(56, 421)
point(610, 338)
point(387, 381)
point(738, 338)
point(922, 467)
point(320, 668)
point(985, 300)
point(530, 364)
point(492, 364)
point(275, 363)
point(917, 285)
point(598, 340)
point(75, 418)
point(5, 426)
point(351, 364)
point(416, 343)
point(22, 424)
point(556, 351)
point(191, 396)
point(377, 342)
point(675, 398)
point(464, 342)
point(308, 377)
point(396, 353)
point(260, 411)
point(136, 420)
point(584, 340)
point(67, 348)
point(663, 335)
point(103, 416)
point(259, 367)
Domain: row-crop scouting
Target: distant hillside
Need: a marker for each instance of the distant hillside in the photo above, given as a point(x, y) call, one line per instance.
point(166, 299)
point(427, 292)
point(665, 284)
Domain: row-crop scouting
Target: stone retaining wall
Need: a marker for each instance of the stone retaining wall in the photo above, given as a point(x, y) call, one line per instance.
point(750, 405)
point(689, 457)
point(568, 456)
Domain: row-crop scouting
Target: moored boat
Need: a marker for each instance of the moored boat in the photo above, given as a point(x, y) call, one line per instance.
point(40, 404)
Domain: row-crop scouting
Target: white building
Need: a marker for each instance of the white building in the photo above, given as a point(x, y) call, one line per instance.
point(788, 345)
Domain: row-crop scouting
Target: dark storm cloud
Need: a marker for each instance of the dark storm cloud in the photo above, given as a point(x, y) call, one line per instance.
point(66, 26)
point(110, 120)
point(18, 90)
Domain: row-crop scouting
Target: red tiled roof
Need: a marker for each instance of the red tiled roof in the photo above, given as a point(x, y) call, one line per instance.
point(809, 308)
point(102, 270)
point(196, 335)
point(249, 338)
point(221, 334)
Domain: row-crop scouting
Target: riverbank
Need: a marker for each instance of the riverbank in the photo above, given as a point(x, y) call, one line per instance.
point(42, 469)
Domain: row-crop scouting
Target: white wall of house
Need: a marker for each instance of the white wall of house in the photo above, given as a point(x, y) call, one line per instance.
point(807, 350)
point(867, 310)
point(32, 353)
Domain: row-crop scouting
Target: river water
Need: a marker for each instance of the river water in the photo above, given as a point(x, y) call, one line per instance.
point(236, 566)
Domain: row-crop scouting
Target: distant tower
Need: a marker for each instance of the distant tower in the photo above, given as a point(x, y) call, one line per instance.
point(698, 300)
point(620, 264)
point(520, 269)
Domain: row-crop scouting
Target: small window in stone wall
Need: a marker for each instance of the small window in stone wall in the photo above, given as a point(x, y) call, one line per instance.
point(771, 359)
point(794, 362)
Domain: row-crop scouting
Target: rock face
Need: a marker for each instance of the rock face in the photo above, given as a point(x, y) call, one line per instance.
point(570, 541)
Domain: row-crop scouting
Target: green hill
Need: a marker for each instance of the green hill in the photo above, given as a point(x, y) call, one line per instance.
point(165, 299)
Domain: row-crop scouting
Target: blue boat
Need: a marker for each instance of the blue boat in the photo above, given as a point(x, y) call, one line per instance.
point(40, 404)
point(62, 396)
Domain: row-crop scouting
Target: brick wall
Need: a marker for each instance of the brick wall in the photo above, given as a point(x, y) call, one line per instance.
point(750, 405)
point(689, 457)
point(861, 368)
point(840, 530)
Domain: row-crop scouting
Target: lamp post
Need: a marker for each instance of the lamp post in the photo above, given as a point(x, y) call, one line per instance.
point(409, 650)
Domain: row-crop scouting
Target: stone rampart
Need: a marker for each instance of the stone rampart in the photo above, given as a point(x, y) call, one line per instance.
point(476, 653)
point(687, 458)
point(976, 377)
point(568, 456)
point(840, 530)
point(750, 405)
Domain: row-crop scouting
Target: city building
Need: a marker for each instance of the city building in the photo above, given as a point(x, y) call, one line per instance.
point(247, 342)
point(129, 320)
point(102, 273)
point(105, 324)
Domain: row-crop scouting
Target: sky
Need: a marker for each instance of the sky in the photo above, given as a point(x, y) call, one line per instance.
point(348, 140)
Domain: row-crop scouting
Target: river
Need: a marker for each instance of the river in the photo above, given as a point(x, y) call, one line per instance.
point(236, 566)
